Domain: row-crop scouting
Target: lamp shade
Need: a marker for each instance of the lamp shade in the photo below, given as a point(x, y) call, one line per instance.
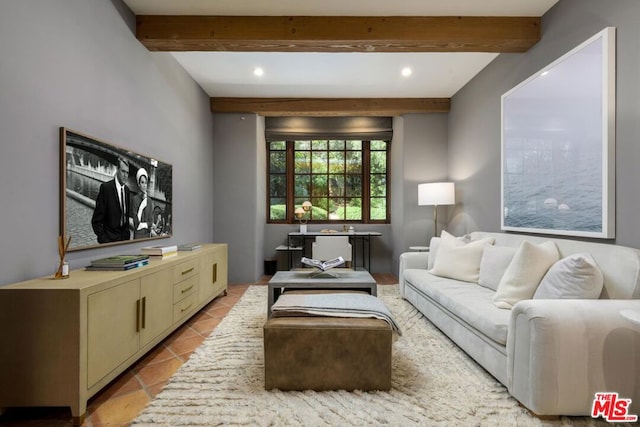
point(436, 193)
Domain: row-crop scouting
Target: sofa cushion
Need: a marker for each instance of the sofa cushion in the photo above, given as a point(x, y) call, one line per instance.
point(525, 271)
point(494, 262)
point(465, 301)
point(576, 276)
point(459, 260)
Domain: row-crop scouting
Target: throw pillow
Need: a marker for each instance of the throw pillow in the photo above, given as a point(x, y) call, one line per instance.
point(450, 238)
point(576, 276)
point(434, 244)
point(521, 278)
point(459, 260)
point(494, 262)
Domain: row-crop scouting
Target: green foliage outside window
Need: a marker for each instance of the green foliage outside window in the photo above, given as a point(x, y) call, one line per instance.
point(339, 178)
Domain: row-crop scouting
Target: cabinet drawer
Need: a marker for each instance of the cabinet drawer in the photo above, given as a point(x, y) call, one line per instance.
point(185, 270)
point(184, 307)
point(185, 288)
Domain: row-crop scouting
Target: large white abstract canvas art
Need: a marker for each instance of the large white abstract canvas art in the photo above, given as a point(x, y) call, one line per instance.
point(558, 140)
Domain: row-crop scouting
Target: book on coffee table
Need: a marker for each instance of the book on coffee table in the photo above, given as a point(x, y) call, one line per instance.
point(323, 266)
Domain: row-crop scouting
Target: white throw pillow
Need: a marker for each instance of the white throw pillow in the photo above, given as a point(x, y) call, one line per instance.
point(528, 266)
point(434, 244)
point(494, 262)
point(574, 277)
point(459, 260)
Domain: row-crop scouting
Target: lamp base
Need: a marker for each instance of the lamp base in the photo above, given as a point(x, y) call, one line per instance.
point(303, 228)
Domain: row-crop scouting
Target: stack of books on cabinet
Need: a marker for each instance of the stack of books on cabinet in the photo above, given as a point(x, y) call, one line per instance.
point(119, 263)
point(160, 252)
point(189, 246)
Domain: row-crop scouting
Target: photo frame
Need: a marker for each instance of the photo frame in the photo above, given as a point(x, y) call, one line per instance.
point(558, 145)
point(93, 212)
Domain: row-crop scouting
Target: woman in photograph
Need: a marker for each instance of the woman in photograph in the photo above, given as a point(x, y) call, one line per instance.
point(141, 209)
point(157, 225)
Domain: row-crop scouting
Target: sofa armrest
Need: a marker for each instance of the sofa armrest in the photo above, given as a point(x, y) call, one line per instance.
point(411, 260)
point(561, 352)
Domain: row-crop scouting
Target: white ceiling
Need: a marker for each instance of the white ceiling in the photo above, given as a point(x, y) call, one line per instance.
point(331, 75)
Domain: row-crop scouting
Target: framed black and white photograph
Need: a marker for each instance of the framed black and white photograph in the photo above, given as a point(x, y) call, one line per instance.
point(111, 195)
point(558, 145)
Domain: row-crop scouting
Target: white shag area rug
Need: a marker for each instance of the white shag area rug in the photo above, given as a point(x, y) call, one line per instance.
point(433, 383)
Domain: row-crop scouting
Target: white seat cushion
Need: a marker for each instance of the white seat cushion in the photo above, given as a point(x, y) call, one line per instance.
point(467, 301)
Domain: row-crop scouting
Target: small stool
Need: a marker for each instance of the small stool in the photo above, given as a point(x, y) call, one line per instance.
point(270, 267)
point(327, 353)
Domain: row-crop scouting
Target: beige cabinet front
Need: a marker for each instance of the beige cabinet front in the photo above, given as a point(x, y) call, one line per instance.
point(124, 318)
point(112, 328)
point(156, 292)
point(213, 273)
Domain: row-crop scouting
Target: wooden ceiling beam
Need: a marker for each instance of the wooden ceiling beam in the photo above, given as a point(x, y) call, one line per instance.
point(338, 33)
point(330, 106)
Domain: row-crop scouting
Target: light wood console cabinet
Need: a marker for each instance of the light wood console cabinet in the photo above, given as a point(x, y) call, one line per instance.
point(64, 340)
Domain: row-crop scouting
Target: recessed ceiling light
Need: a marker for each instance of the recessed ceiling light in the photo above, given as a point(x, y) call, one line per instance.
point(258, 71)
point(406, 71)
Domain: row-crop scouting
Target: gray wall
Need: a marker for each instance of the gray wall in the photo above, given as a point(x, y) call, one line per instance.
point(76, 63)
point(425, 147)
point(474, 120)
point(239, 176)
point(418, 154)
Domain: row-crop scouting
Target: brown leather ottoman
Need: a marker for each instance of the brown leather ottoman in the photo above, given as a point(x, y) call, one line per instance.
point(327, 353)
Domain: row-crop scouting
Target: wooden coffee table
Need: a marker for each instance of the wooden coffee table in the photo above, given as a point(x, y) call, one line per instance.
point(352, 280)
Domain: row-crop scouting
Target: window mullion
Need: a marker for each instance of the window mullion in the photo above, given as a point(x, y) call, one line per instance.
point(328, 178)
point(290, 181)
point(344, 180)
point(366, 183)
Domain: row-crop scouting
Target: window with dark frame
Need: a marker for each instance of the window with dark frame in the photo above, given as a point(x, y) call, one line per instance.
point(345, 180)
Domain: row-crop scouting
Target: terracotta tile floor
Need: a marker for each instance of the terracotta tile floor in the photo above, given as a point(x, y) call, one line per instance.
point(124, 398)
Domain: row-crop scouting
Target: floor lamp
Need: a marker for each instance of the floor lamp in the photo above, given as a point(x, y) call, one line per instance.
point(434, 194)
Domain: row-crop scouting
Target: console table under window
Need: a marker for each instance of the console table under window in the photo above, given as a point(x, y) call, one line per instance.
point(297, 242)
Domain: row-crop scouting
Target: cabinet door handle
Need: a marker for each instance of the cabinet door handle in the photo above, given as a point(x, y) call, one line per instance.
point(214, 273)
point(137, 315)
point(144, 312)
point(186, 290)
point(187, 271)
point(186, 308)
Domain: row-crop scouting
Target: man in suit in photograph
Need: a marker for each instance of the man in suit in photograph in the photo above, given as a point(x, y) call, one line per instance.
point(110, 219)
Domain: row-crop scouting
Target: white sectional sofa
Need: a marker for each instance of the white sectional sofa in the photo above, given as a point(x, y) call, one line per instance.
point(553, 355)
